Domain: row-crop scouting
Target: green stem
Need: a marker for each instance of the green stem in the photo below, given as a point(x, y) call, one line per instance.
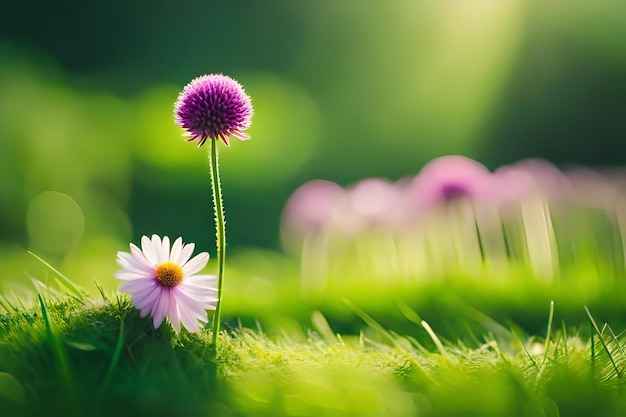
point(220, 235)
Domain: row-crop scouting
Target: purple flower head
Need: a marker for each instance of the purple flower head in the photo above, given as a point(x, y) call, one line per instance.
point(213, 106)
point(453, 191)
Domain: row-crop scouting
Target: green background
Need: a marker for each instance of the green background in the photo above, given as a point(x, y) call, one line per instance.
point(90, 158)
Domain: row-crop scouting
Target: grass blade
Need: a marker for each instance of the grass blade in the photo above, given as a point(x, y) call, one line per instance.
point(323, 328)
point(616, 340)
point(546, 346)
point(58, 351)
point(434, 337)
point(604, 345)
point(564, 337)
point(370, 321)
point(593, 356)
point(532, 360)
point(376, 326)
point(75, 289)
point(102, 293)
point(7, 305)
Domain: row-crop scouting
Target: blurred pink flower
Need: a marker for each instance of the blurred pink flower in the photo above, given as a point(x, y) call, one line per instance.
point(165, 283)
point(591, 188)
point(310, 207)
point(449, 178)
point(372, 202)
point(533, 178)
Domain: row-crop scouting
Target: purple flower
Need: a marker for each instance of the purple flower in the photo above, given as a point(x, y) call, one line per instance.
point(213, 106)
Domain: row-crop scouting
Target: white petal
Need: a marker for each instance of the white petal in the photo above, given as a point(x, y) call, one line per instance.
point(240, 135)
point(165, 249)
point(196, 263)
point(126, 275)
point(148, 250)
point(128, 261)
point(185, 253)
point(136, 285)
point(145, 299)
point(153, 307)
point(149, 286)
point(197, 302)
point(158, 313)
point(176, 249)
point(174, 316)
point(200, 313)
point(188, 320)
point(138, 254)
point(197, 311)
point(187, 304)
point(201, 281)
point(158, 248)
point(200, 296)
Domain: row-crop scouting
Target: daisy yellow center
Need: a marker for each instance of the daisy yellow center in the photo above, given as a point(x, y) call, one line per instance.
point(169, 274)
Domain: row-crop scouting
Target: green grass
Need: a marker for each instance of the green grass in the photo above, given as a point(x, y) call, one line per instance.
point(500, 342)
point(72, 355)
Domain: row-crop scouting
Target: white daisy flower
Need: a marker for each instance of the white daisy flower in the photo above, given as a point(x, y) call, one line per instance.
point(164, 283)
